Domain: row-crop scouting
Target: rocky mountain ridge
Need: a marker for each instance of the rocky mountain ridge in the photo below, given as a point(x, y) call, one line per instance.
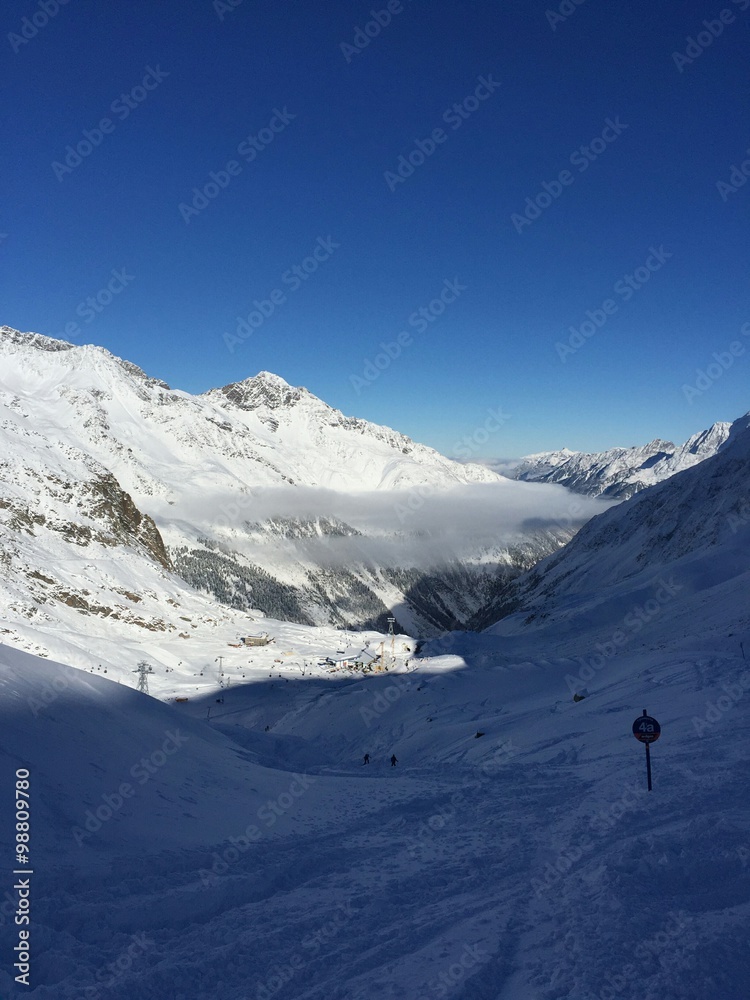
point(619, 473)
point(680, 541)
point(238, 490)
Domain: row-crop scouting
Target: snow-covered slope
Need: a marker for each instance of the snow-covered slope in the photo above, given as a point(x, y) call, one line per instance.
point(234, 844)
point(322, 447)
point(512, 853)
point(260, 432)
point(620, 472)
point(677, 544)
point(259, 494)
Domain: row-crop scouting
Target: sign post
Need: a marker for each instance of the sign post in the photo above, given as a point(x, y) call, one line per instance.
point(647, 730)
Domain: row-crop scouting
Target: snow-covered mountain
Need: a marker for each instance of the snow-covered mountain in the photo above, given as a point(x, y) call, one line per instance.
point(679, 545)
point(258, 494)
point(232, 843)
point(621, 472)
point(258, 433)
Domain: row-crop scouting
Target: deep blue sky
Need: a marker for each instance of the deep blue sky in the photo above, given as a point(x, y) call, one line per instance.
point(323, 175)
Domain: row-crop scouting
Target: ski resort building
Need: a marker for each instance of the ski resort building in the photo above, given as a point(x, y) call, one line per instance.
point(256, 640)
point(355, 658)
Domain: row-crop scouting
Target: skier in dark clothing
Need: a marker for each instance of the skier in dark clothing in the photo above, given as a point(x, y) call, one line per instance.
point(367, 758)
point(393, 760)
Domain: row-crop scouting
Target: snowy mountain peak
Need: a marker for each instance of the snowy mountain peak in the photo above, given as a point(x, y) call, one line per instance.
point(620, 472)
point(658, 444)
point(10, 336)
point(708, 442)
point(549, 458)
point(98, 459)
point(262, 390)
point(270, 378)
point(694, 524)
point(87, 362)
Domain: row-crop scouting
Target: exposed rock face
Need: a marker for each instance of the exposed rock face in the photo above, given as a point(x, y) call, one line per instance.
point(111, 504)
point(111, 517)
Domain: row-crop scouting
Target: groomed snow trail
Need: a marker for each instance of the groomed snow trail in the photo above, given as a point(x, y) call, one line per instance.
point(526, 864)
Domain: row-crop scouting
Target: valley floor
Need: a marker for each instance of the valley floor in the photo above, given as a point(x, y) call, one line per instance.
point(526, 864)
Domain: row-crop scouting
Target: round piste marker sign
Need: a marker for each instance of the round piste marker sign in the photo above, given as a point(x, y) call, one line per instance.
point(646, 729)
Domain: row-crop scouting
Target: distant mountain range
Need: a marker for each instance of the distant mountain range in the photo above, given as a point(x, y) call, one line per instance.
point(679, 550)
point(619, 473)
